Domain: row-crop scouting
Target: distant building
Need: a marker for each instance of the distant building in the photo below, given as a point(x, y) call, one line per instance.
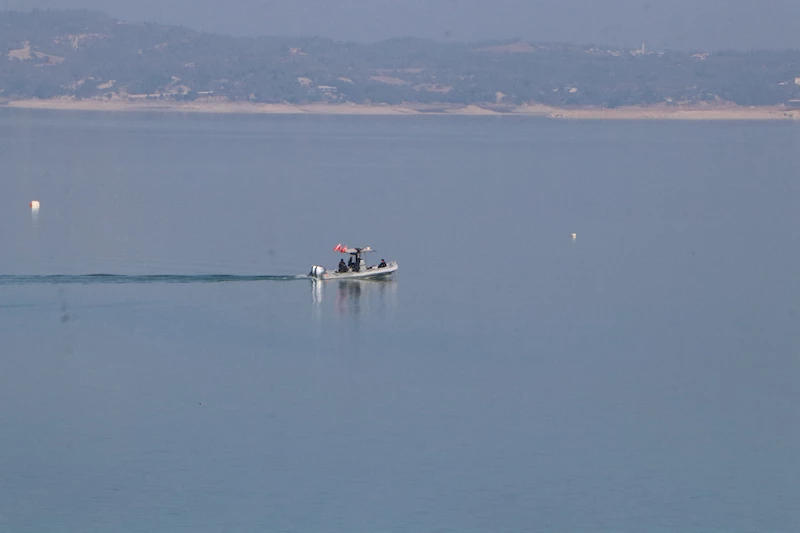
point(328, 92)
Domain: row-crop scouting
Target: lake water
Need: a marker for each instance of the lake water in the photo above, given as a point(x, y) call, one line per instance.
point(642, 377)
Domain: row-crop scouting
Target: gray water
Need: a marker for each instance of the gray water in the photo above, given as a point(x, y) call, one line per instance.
point(641, 378)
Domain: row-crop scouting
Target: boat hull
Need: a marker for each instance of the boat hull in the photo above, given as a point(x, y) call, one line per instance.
point(367, 273)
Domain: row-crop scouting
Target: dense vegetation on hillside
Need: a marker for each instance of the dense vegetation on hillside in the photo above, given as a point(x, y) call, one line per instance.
point(88, 54)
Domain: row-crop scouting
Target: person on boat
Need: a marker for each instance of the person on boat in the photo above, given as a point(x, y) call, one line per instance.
point(342, 266)
point(350, 263)
point(356, 262)
point(382, 264)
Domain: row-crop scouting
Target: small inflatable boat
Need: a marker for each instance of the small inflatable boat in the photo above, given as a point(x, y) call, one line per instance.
point(356, 267)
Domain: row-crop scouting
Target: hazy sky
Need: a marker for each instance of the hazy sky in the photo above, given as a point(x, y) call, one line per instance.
point(676, 24)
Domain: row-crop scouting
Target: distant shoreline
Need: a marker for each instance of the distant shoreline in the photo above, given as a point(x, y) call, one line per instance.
point(655, 112)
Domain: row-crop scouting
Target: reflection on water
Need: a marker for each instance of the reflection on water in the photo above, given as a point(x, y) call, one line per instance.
point(373, 296)
point(355, 297)
point(316, 297)
point(35, 214)
point(316, 291)
point(348, 297)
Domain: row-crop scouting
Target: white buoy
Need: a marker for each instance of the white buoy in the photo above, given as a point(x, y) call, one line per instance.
point(35, 212)
point(573, 235)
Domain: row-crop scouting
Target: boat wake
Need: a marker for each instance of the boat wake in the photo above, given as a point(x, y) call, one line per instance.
point(117, 279)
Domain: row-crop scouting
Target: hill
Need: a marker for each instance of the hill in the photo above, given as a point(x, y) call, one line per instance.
point(85, 54)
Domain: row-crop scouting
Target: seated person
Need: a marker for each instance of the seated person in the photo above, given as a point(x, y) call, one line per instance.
point(382, 264)
point(342, 266)
point(351, 263)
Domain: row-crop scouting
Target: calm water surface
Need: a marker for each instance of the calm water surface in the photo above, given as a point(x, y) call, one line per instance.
point(643, 377)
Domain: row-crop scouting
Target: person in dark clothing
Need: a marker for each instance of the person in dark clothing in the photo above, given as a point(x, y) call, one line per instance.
point(382, 264)
point(342, 266)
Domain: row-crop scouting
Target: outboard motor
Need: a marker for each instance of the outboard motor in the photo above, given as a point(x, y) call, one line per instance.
point(316, 271)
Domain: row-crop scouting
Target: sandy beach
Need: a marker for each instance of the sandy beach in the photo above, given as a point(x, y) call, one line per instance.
point(656, 112)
